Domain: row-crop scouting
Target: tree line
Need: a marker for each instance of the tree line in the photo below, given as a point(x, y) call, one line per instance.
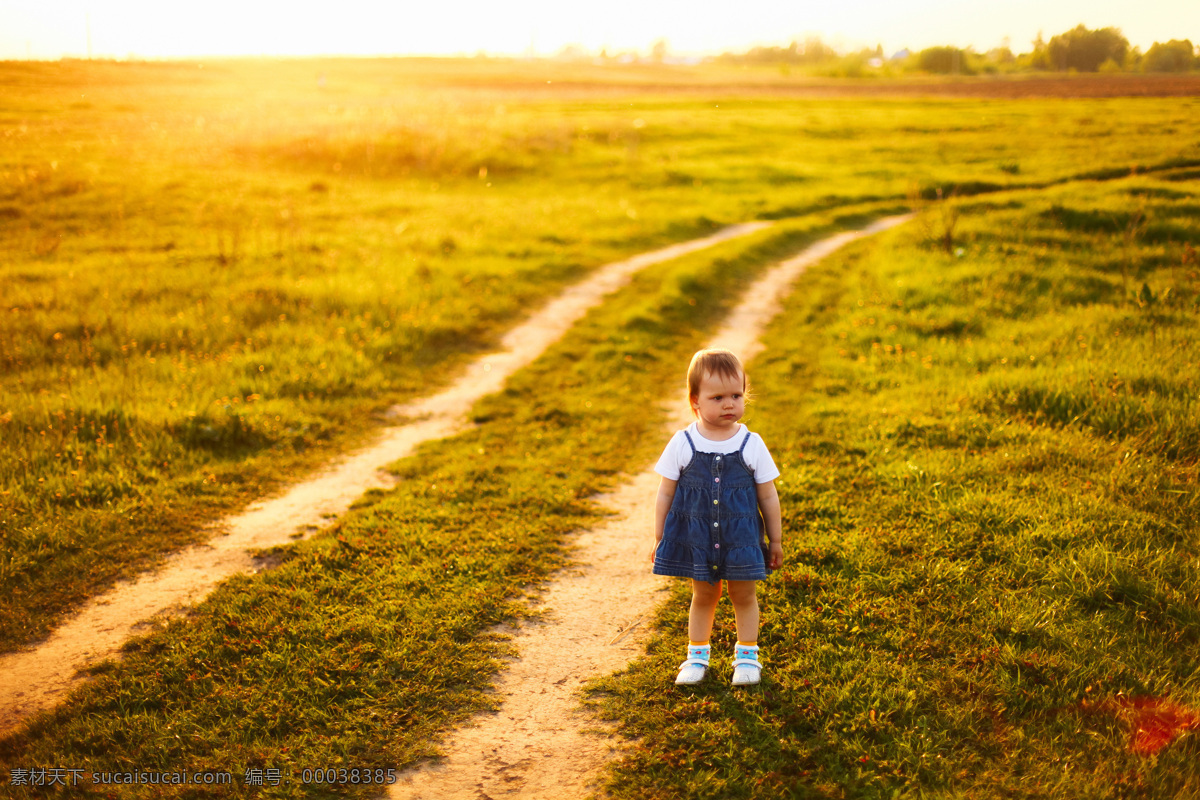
point(1077, 50)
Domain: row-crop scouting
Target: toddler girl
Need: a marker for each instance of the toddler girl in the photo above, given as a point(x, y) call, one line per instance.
point(716, 496)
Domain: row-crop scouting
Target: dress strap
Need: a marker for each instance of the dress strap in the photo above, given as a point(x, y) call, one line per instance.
point(742, 453)
point(692, 457)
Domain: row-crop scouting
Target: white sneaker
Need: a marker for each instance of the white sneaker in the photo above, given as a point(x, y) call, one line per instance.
point(746, 671)
point(746, 667)
point(692, 671)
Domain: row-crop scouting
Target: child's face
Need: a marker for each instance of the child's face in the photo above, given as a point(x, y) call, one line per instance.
point(721, 402)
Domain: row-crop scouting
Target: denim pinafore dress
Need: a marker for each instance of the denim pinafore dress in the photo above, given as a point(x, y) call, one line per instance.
point(714, 530)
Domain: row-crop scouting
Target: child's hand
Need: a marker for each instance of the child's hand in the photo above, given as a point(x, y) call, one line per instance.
point(653, 550)
point(776, 555)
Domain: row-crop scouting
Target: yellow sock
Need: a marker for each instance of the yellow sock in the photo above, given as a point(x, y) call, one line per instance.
point(698, 644)
point(751, 643)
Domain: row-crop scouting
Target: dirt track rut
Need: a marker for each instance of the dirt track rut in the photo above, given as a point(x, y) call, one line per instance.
point(37, 678)
point(540, 745)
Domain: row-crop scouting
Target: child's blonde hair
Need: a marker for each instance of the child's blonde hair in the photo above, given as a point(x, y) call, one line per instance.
point(714, 361)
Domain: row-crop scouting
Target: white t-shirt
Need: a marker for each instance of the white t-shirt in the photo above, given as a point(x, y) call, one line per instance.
point(678, 454)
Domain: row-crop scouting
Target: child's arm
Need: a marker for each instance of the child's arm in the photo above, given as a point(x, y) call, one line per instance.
point(768, 504)
point(666, 493)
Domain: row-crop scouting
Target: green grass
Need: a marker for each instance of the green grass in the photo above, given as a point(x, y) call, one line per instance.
point(369, 640)
point(217, 277)
point(990, 509)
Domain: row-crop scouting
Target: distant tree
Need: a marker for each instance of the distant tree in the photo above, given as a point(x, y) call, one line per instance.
point(1001, 55)
point(814, 51)
point(1039, 57)
point(1174, 56)
point(658, 53)
point(943, 61)
point(811, 51)
point(1085, 50)
point(1133, 59)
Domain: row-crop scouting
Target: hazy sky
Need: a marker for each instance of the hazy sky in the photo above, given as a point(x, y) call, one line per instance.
point(173, 28)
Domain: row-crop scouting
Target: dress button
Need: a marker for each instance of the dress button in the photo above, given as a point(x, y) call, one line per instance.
point(714, 566)
point(717, 545)
point(716, 480)
point(715, 502)
point(715, 524)
point(718, 458)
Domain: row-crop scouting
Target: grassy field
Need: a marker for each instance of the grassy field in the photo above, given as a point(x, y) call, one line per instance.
point(990, 493)
point(257, 678)
point(218, 275)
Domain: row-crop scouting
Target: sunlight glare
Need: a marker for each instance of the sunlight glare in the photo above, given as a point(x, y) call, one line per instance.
point(153, 29)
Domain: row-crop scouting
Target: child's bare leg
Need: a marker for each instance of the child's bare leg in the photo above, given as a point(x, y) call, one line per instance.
point(745, 609)
point(704, 609)
point(700, 622)
point(746, 669)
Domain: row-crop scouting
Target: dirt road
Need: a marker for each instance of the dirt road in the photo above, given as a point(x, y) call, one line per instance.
point(540, 744)
point(38, 678)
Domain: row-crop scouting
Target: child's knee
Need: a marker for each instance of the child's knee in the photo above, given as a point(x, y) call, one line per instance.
point(706, 593)
point(742, 592)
